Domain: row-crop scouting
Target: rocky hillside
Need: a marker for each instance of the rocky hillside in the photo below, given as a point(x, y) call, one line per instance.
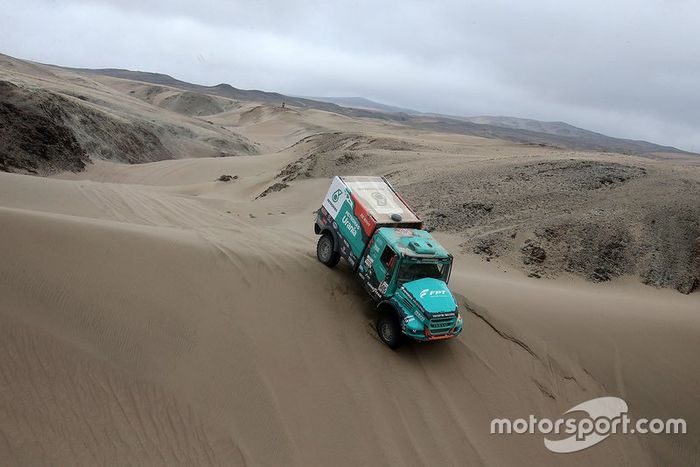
point(591, 215)
point(43, 132)
point(54, 120)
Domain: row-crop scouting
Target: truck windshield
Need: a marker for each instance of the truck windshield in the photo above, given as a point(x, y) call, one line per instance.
point(412, 270)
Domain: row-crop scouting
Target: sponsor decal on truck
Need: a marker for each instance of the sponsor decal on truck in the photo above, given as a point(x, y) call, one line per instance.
point(432, 293)
point(350, 223)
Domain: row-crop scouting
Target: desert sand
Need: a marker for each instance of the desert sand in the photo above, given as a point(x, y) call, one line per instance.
point(151, 314)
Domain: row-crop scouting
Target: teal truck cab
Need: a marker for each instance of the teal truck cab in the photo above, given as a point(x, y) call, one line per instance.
point(402, 267)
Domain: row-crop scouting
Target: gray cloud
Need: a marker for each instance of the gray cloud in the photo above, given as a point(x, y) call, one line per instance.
point(628, 68)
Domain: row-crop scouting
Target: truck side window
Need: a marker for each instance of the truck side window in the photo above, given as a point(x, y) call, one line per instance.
point(388, 258)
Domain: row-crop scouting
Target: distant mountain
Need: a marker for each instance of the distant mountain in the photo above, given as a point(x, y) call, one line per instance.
point(363, 103)
point(555, 134)
point(222, 89)
point(552, 128)
point(558, 134)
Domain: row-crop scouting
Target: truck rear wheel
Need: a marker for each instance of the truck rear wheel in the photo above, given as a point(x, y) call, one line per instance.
point(326, 252)
point(389, 330)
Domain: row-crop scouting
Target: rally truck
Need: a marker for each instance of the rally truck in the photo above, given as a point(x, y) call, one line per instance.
point(401, 266)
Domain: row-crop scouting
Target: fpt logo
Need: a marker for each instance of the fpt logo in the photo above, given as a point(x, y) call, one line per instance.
point(336, 195)
point(432, 293)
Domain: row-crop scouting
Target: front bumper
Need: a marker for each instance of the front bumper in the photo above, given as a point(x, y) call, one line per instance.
point(425, 336)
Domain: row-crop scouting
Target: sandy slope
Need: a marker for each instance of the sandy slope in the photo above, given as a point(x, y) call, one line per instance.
point(154, 320)
point(150, 314)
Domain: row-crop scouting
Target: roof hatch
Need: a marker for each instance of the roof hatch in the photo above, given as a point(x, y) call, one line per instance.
point(422, 246)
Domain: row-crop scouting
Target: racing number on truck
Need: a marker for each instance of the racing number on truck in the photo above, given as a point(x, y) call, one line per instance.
point(379, 198)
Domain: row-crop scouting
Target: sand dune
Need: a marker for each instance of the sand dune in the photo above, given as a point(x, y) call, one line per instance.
point(152, 314)
point(146, 311)
point(182, 102)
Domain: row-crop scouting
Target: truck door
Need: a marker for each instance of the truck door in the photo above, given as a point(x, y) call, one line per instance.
point(385, 267)
point(380, 271)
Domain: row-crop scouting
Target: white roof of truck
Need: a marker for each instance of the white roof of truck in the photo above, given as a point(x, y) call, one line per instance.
point(380, 200)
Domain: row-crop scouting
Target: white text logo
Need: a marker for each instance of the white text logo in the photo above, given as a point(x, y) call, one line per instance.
point(432, 293)
point(597, 419)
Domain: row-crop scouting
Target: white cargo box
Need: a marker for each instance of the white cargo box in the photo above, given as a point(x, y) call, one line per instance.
point(372, 196)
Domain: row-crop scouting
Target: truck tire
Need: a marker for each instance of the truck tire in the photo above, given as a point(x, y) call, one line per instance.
point(326, 251)
point(389, 330)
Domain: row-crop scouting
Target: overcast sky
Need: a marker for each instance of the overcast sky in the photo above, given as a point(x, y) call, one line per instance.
point(628, 68)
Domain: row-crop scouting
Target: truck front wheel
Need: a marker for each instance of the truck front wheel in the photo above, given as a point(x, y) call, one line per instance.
point(389, 330)
point(326, 252)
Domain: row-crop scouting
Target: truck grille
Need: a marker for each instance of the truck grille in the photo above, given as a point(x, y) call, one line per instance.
point(441, 326)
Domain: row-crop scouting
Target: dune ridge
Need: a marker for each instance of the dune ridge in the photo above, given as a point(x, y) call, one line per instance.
point(158, 313)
